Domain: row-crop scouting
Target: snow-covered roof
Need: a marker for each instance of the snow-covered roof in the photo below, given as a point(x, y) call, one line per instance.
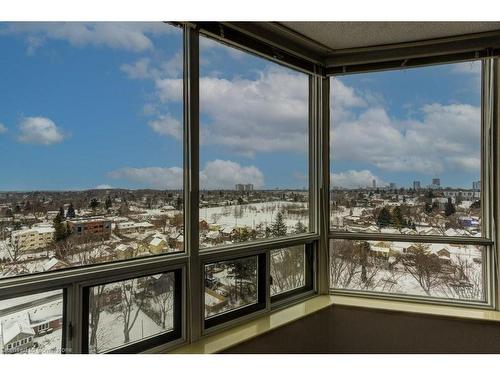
point(13, 330)
point(40, 230)
point(51, 263)
point(156, 241)
point(46, 313)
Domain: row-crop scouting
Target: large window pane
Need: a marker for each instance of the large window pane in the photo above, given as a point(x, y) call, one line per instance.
point(32, 324)
point(230, 285)
point(91, 122)
point(449, 271)
point(254, 147)
point(288, 269)
point(125, 312)
point(405, 151)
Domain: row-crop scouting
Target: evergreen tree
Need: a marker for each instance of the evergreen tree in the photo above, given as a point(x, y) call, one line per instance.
point(397, 217)
point(61, 212)
point(449, 208)
point(268, 232)
point(94, 203)
point(61, 231)
point(108, 203)
point(278, 228)
point(178, 203)
point(384, 218)
point(71, 211)
point(242, 271)
point(300, 227)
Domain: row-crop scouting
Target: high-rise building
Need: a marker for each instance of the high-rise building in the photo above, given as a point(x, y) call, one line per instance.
point(476, 185)
point(416, 185)
point(374, 183)
point(392, 185)
point(244, 187)
point(436, 183)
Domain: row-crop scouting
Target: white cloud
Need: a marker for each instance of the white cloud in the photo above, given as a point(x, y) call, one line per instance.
point(443, 137)
point(169, 89)
point(217, 174)
point(103, 187)
point(167, 125)
point(468, 67)
point(354, 179)
point(137, 70)
point(39, 130)
point(132, 36)
point(153, 177)
point(3, 128)
point(144, 68)
point(224, 174)
point(250, 116)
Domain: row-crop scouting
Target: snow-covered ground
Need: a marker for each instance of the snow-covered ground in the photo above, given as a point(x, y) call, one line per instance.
point(398, 281)
point(252, 214)
point(110, 330)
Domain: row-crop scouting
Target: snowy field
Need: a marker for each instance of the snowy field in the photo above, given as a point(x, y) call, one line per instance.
point(399, 281)
point(110, 330)
point(252, 214)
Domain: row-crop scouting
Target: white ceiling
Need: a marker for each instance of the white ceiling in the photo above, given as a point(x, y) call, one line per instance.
point(345, 35)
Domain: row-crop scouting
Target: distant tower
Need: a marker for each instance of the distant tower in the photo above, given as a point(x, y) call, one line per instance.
point(436, 183)
point(374, 183)
point(476, 185)
point(416, 185)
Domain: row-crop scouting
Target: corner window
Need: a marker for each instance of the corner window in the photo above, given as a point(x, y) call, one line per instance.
point(407, 161)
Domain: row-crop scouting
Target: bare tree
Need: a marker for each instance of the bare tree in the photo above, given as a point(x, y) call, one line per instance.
point(163, 300)
point(343, 265)
point(14, 250)
point(423, 266)
point(95, 307)
point(133, 297)
point(287, 269)
point(466, 282)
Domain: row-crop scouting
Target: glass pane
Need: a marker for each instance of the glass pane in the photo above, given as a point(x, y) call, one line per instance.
point(433, 270)
point(32, 324)
point(128, 311)
point(230, 285)
point(405, 151)
point(254, 147)
point(91, 120)
point(287, 269)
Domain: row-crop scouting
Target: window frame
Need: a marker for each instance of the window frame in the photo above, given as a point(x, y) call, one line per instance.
point(191, 260)
point(261, 304)
point(73, 280)
point(309, 284)
point(167, 337)
point(489, 93)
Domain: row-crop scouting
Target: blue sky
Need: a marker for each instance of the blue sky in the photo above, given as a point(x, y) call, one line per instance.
point(401, 126)
point(88, 105)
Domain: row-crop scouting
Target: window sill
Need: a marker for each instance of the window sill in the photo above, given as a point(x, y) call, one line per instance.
point(236, 335)
point(417, 308)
